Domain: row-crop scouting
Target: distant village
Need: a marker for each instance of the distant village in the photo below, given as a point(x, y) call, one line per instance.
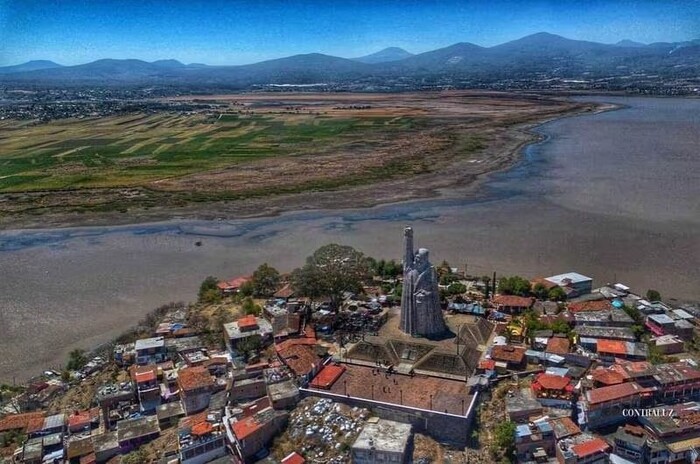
point(352, 359)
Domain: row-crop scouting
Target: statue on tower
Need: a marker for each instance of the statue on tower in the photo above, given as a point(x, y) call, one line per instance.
point(421, 315)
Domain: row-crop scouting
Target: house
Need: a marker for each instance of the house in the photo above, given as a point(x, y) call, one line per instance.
point(668, 344)
point(603, 406)
point(133, 433)
point(196, 387)
point(169, 414)
point(583, 449)
point(512, 304)
point(150, 351)
point(145, 379)
point(676, 429)
point(383, 441)
point(632, 443)
point(254, 331)
point(564, 427)
point(106, 446)
point(253, 433)
point(536, 438)
point(283, 395)
point(558, 345)
point(285, 293)
point(609, 350)
point(553, 390)
point(21, 422)
point(660, 324)
point(521, 405)
point(512, 357)
point(589, 305)
point(201, 439)
point(83, 421)
point(677, 381)
point(301, 356)
point(573, 283)
point(229, 287)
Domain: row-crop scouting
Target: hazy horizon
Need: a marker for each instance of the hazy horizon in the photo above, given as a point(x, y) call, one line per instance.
point(73, 32)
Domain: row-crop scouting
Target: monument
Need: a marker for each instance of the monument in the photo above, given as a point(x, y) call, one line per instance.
point(421, 315)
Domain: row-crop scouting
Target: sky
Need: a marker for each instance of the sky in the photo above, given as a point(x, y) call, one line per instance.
point(240, 32)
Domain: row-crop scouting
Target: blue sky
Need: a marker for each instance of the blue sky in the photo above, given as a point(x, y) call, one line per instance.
point(239, 32)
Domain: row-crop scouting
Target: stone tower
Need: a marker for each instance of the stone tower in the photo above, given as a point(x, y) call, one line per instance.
point(421, 315)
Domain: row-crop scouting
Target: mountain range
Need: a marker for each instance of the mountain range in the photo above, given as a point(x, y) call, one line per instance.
point(534, 56)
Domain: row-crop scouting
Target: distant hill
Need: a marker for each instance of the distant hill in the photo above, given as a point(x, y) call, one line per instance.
point(384, 56)
point(29, 66)
point(533, 56)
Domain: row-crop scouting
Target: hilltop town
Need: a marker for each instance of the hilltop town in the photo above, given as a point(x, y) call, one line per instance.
point(353, 359)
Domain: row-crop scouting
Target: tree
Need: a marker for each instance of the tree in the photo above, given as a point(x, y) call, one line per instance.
point(246, 289)
point(76, 359)
point(540, 291)
point(447, 279)
point(504, 435)
point(206, 289)
point(332, 270)
point(557, 294)
point(210, 296)
point(265, 280)
point(653, 295)
point(514, 285)
point(456, 288)
point(249, 307)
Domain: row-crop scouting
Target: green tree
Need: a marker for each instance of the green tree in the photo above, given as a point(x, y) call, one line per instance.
point(210, 296)
point(332, 270)
point(265, 280)
point(540, 291)
point(447, 279)
point(249, 307)
point(456, 288)
point(246, 289)
point(557, 294)
point(653, 295)
point(206, 287)
point(514, 285)
point(504, 435)
point(76, 359)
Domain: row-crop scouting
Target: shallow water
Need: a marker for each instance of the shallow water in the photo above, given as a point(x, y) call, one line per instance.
point(613, 196)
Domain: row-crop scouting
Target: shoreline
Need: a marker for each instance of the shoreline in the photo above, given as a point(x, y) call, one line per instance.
point(329, 200)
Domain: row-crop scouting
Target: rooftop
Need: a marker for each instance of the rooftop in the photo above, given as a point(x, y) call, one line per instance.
point(419, 391)
point(613, 392)
point(20, 421)
point(513, 301)
point(192, 378)
point(551, 382)
point(596, 445)
point(384, 435)
point(301, 358)
point(149, 343)
point(593, 305)
point(572, 277)
point(234, 330)
point(660, 319)
point(513, 354)
point(558, 345)
point(564, 427)
point(136, 428)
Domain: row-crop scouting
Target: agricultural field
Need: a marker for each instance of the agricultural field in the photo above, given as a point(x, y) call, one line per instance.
point(136, 150)
point(260, 154)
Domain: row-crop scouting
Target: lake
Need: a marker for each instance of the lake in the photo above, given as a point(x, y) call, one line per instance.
point(612, 195)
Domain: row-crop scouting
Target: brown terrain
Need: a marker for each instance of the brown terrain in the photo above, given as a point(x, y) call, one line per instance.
point(433, 143)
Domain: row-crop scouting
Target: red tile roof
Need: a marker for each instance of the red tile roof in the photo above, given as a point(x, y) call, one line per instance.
point(301, 359)
point(245, 427)
point(558, 345)
point(512, 301)
point(328, 375)
point(293, 458)
point(613, 392)
point(20, 421)
point(79, 420)
point(597, 445)
point(607, 376)
point(284, 292)
point(487, 364)
point(202, 428)
point(141, 373)
point(511, 354)
point(551, 382)
point(192, 378)
point(612, 346)
point(595, 305)
point(248, 322)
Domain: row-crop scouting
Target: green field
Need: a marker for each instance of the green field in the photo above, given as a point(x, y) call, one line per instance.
point(128, 151)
